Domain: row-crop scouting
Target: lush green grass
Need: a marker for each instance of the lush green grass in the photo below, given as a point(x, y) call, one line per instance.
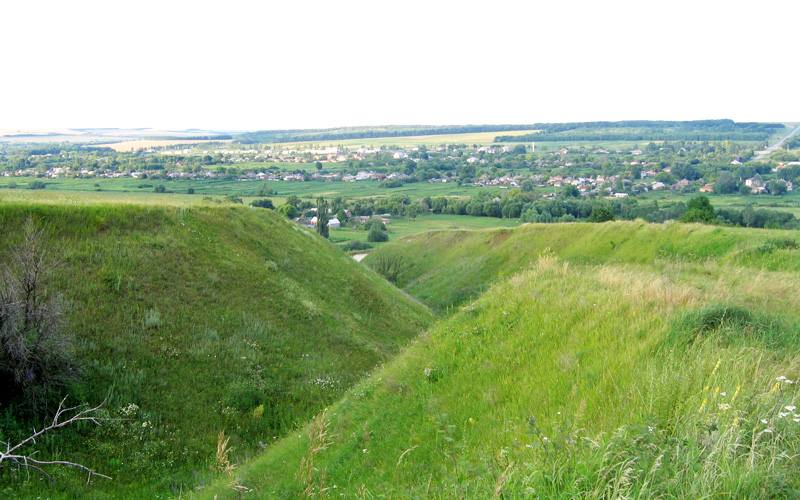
point(789, 202)
point(206, 319)
point(446, 268)
point(401, 226)
point(126, 190)
point(570, 381)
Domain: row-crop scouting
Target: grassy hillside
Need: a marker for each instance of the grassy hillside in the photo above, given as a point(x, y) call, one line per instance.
point(445, 268)
point(191, 321)
point(584, 378)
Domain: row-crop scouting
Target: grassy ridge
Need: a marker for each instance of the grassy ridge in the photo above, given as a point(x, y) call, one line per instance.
point(446, 268)
point(190, 321)
point(571, 381)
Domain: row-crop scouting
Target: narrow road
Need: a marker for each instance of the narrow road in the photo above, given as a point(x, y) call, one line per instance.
point(766, 152)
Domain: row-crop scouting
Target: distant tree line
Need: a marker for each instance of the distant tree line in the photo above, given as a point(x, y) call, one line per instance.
point(642, 130)
point(212, 137)
point(299, 135)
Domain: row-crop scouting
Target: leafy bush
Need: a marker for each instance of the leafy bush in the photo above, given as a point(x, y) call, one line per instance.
point(376, 235)
point(374, 222)
point(232, 198)
point(355, 245)
point(263, 203)
point(601, 213)
point(732, 325)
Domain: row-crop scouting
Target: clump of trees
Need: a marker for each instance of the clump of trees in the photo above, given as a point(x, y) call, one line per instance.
point(263, 203)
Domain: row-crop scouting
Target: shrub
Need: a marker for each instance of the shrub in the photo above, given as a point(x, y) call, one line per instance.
point(232, 198)
point(374, 222)
point(376, 235)
point(263, 203)
point(290, 211)
point(389, 265)
point(601, 213)
point(36, 353)
point(356, 245)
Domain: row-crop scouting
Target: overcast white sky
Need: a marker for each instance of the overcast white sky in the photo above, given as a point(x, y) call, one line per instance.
point(240, 65)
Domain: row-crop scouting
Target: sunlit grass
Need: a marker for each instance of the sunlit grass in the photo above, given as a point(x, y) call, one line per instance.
point(562, 381)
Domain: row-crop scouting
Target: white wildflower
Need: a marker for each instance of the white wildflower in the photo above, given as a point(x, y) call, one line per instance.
point(724, 406)
point(763, 420)
point(790, 408)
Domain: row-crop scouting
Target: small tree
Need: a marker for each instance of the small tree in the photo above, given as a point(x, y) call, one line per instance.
point(389, 265)
point(290, 211)
point(776, 187)
point(601, 213)
point(698, 209)
point(35, 350)
point(571, 191)
point(322, 217)
point(263, 203)
point(375, 235)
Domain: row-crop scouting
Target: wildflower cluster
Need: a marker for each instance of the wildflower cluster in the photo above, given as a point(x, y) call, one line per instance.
point(328, 383)
point(129, 410)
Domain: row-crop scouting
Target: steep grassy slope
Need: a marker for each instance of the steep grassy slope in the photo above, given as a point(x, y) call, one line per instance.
point(193, 321)
point(445, 268)
point(570, 380)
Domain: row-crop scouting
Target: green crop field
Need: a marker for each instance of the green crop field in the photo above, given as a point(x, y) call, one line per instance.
point(127, 189)
point(480, 138)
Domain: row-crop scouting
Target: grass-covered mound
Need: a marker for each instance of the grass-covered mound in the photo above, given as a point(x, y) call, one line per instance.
point(188, 322)
point(570, 381)
point(446, 268)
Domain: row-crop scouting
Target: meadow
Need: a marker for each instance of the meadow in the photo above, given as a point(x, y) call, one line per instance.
point(136, 145)
point(120, 189)
point(629, 373)
point(189, 321)
point(243, 356)
point(429, 141)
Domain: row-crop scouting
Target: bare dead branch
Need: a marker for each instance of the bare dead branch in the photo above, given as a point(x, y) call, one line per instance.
point(27, 461)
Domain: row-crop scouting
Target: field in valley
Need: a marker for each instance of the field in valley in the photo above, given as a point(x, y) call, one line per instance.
point(129, 146)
